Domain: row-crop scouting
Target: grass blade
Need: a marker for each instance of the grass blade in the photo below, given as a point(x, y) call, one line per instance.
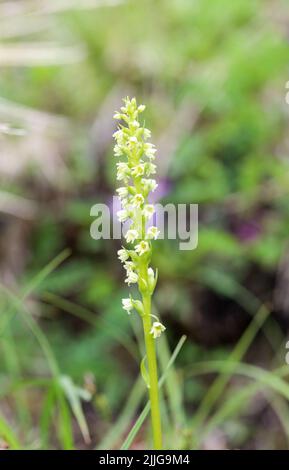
point(237, 354)
point(9, 436)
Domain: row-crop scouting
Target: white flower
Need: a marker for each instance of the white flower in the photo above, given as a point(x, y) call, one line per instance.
point(119, 136)
point(150, 168)
point(149, 184)
point(122, 192)
point(141, 108)
point(135, 124)
point(137, 200)
point(142, 247)
point(131, 235)
point(131, 278)
point(122, 215)
point(146, 133)
point(123, 171)
point(127, 305)
point(129, 266)
point(152, 233)
point(117, 115)
point(117, 151)
point(123, 255)
point(138, 170)
point(150, 150)
point(148, 210)
point(157, 329)
point(130, 105)
point(133, 140)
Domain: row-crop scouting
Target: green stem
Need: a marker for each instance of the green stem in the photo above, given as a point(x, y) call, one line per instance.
point(153, 374)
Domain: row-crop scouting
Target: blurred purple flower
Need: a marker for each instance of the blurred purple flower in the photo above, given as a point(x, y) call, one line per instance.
point(247, 230)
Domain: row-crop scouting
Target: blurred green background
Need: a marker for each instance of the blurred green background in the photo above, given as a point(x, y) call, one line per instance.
point(213, 76)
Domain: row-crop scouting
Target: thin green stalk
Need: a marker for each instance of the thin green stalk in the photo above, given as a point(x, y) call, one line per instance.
point(153, 373)
point(139, 422)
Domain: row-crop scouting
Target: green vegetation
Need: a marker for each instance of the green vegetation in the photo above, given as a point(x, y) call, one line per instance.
point(213, 76)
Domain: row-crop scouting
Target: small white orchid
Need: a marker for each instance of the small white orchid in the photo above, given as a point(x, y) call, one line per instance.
point(149, 184)
point(129, 266)
point(131, 235)
point(117, 115)
point(122, 215)
point(119, 137)
point(134, 124)
point(152, 233)
point(138, 170)
point(142, 248)
point(157, 329)
point(117, 151)
point(133, 139)
point(147, 135)
point(122, 192)
point(150, 169)
point(127, 305)
point(131, 278)
point(141, 108)
point(150, 151)
point(123, 255)
point(138, 200)
point(123, 171)
point(148, 211)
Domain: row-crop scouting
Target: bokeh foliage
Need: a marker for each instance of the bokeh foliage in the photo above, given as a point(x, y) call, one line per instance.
point(213, 76)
